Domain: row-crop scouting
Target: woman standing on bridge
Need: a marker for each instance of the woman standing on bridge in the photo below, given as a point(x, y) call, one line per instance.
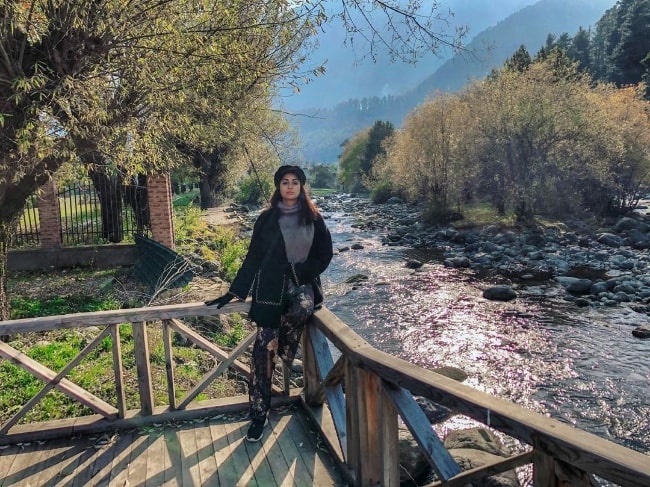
point(290, 247)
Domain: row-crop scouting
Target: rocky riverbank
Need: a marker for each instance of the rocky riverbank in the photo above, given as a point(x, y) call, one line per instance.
point(596, 263)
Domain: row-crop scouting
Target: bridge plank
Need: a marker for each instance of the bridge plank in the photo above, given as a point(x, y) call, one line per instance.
point(235, 432)
point(157, 459)
point(21, 467)
point(59, 376)
point(7, 457)
point(57, 463)
point(137, 458)
point(583, 450)
point(210, 347)
point(205, 454)
point(173, 471)
point(100, 469)
point(292, 455)
point(188, 455)
point(318, 457)
point(207, 379)
point(117, 316)
point(118, 370)
point(119, 472)
point(143, 367)
point(226, 472)
point(169, 364)
point(503, 465)
point(333, 393)
point(84, 465)
point(261, 469)
point(270, 445)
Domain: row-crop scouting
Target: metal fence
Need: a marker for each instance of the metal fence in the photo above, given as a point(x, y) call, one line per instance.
point(115, 214)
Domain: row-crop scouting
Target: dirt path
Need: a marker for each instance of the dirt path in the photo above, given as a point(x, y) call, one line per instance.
point(221, 216)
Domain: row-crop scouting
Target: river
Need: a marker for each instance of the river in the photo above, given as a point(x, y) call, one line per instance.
point(581, 366)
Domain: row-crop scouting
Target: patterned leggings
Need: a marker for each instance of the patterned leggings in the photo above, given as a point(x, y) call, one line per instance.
point(271, 343)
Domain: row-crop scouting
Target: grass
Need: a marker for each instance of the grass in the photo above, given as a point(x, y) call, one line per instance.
point(58, 305)
point(322, 191)
point(481, 215)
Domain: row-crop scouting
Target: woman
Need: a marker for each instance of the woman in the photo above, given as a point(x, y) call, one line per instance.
point(290, 247)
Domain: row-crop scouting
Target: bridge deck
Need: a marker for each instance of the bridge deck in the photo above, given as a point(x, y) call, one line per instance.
point(208, 452)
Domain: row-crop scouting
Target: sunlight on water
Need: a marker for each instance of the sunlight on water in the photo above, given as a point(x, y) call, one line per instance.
point(581, 366)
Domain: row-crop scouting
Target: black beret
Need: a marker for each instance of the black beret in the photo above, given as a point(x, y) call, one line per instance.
point(282, 170)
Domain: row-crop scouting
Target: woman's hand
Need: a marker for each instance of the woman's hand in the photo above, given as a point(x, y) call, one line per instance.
point(220, 301)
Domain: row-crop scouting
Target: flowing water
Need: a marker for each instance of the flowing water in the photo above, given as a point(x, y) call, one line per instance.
point(579, 365)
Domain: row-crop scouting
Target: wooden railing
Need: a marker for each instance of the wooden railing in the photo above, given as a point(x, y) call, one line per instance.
point(379, 387)
point(355, 400)
point(110, 416)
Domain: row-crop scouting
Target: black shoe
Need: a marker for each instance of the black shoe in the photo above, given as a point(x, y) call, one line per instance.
point(256, 430)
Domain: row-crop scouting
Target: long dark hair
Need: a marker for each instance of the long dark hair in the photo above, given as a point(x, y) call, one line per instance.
point(308, 210)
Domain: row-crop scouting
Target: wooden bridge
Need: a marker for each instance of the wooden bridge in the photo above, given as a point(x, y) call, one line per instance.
point(340, 428)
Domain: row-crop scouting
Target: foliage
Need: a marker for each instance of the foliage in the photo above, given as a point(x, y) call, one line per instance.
point(133, 88)
point(322, 176)
point(184, 201)
point(360, 154)
point(350, 162)
point(223, 244)
point(381, 192)
point(235, 333)
point(531, 140)
point(255, 191)
point(424, 161)
point(60, 305)
point(615, 50)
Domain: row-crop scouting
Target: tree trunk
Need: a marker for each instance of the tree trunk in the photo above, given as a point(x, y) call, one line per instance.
point(109, 191)
point(213, 170)
point(208, 199)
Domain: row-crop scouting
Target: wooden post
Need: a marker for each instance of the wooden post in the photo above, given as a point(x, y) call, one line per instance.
point(352, 420)
point(314, 393)
point(544, 470)
point(117, 367)
point(372, 430)
point(143, 366)
point(389, 442)
point(169, 364)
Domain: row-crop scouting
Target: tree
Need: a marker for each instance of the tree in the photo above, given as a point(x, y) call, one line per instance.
point(544, 140)
point(634, 42)
point(580, 49)
point(103, 85)
point(350, 162)
point(323, 176)
point(379, 132)
point(101, 81)
point(421, 160)
point(520, 60)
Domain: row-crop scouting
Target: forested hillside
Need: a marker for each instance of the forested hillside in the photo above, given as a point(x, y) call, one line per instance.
point(323, 133)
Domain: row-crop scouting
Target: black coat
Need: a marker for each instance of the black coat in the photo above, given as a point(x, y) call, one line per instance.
point(265, 272)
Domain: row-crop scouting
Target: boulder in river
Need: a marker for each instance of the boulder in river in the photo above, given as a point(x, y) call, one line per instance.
point(641, 332)
point(499, 293)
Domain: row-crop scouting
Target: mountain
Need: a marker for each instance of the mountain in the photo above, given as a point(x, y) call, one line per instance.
point(348, 75)
point(325, 127)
